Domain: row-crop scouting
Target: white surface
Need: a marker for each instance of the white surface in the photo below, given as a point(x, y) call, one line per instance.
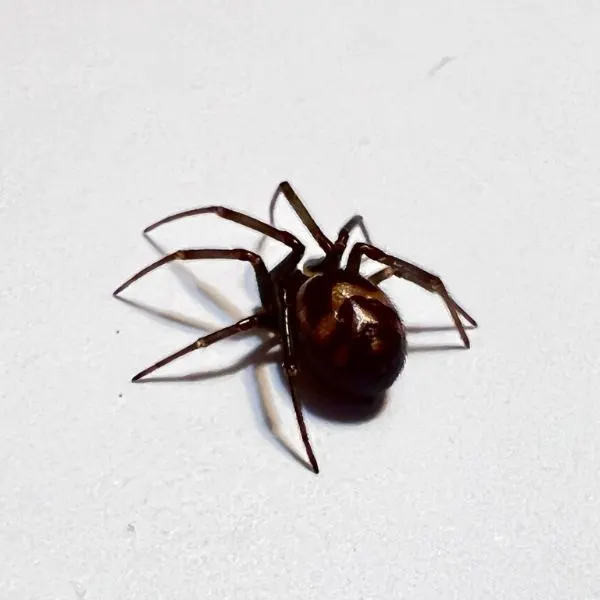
point(480, 479)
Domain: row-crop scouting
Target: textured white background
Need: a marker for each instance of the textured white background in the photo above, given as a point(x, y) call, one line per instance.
point(468, 134)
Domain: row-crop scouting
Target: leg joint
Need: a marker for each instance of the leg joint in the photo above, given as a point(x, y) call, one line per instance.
point(249, 256)
point(291, 240)
point(437, 285)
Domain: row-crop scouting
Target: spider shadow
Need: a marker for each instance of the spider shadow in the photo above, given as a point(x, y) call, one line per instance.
point(205, 292)
point(172, 318)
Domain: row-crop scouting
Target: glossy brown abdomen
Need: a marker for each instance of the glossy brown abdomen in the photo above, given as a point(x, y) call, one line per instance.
point(350, 333)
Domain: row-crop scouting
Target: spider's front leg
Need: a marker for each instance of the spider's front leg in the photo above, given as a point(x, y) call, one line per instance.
point(345, 230)
point(265, 287)
point(298, 206)
point(263, 280)
point(410, 272)
point(300, 209)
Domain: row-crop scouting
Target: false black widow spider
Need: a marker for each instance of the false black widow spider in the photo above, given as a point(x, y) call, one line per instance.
point(329, 318)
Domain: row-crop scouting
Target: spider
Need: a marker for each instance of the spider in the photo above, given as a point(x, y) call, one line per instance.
point(330, 320)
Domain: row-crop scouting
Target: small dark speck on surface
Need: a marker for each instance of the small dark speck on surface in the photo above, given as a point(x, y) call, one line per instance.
point(130, 528)
point(118, 331)
point(440, 65)
point(120, 395)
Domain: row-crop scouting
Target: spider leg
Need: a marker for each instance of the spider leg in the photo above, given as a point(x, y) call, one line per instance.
point(237, 217)
point(344, 233)
point(333, 258)
point(243, 325)
point(387, 272)
point(410, 272)
point(291, 370)
point(294, 200)
point(381, 275)
point(265, 286)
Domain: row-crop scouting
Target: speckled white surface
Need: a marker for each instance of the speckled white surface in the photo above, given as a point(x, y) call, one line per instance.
point(468, 135)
